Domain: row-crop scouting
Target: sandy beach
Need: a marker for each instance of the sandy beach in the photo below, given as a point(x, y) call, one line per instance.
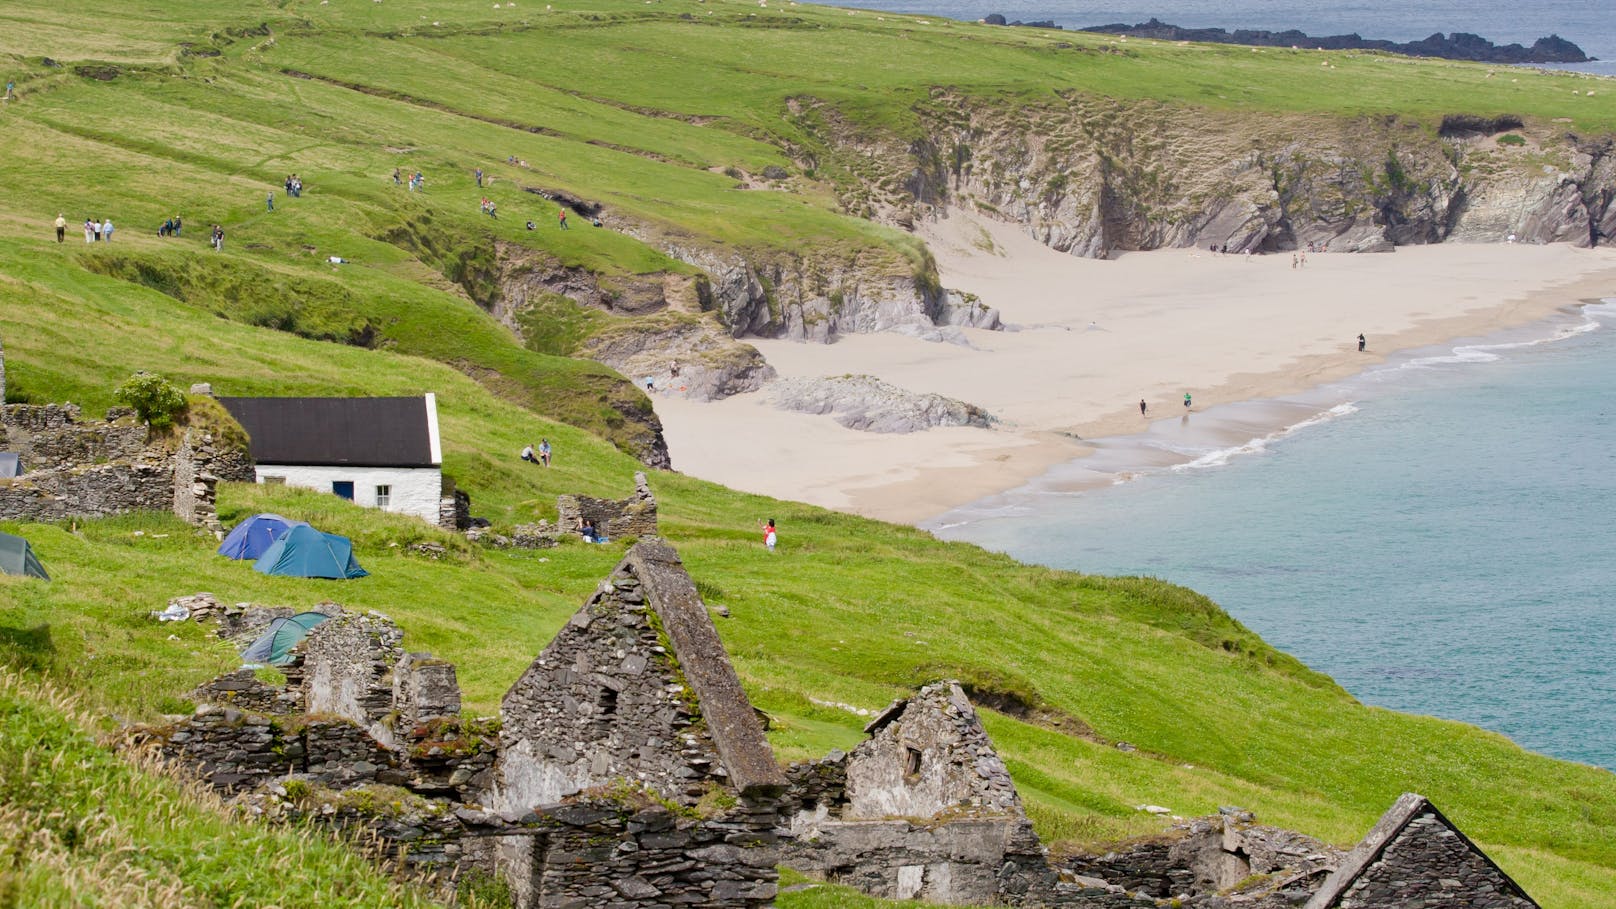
point(1086, 340)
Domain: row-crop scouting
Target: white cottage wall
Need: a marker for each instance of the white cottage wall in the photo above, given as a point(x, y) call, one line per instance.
point(415, 490)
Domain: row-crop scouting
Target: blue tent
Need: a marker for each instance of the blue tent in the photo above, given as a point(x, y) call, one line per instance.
point(273, 647)
point(303, 552)
point(253, 537)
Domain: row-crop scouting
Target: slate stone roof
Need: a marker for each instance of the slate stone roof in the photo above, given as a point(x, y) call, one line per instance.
point(343, 432)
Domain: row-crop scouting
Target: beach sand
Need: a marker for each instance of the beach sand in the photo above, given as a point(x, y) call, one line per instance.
point(1088, 339)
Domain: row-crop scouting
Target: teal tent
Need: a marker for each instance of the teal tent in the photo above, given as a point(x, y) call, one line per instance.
point(17, 557)
point(303, 552)
point(274, 645)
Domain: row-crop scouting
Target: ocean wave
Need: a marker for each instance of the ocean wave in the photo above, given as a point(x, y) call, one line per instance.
point(1222, 456)
point(1592, 320)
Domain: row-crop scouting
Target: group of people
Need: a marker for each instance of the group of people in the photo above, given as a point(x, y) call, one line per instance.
point(541, 456)
point(216, 238)
point(294, 186)
point(489, 208)
point(96, 230)
point(170, 227)
point(416, 180)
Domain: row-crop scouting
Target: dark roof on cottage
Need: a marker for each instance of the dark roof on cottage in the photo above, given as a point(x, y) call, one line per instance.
point(348, 432)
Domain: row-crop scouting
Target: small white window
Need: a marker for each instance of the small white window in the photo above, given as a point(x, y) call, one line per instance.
point(384, 496)
point(274, 481)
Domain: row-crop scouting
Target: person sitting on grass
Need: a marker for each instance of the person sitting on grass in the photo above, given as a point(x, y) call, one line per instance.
point(529, 456)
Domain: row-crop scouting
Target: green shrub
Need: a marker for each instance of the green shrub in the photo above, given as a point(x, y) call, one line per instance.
point(154, 398)
point(1511, 139)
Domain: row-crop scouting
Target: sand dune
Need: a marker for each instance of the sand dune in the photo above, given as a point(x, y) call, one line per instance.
point(1089, 339)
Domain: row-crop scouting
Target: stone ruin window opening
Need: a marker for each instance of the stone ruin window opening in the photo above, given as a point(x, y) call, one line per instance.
point(606, 702)
point(911, 762)
point(384, 496)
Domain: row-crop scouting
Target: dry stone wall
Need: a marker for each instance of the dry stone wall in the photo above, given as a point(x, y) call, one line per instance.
point(605, 700)
point(634, 516)
point(1415, 858)
point(347, 670)
point(925, 809)
point(606, 853)
point(74, 469)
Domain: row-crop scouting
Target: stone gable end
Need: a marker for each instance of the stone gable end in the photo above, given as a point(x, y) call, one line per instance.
point(925, 756)
point(632, 689)
point(1415, 858)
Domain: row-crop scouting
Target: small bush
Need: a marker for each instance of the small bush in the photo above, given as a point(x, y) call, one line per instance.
point(153, 397)
point(1511, 139)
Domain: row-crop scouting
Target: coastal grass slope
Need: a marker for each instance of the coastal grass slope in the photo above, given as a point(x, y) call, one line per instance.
point(653, 109)
point(851, 612)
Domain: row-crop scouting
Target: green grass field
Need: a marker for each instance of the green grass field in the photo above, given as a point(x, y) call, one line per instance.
point(200, 109)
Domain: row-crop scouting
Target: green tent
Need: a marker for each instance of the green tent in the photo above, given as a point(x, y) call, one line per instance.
point(303, 552)
point(280, 637)
point(17, 557)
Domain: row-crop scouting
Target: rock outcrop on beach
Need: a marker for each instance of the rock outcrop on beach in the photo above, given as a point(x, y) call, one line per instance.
point(869, 404)
point(1457, 46)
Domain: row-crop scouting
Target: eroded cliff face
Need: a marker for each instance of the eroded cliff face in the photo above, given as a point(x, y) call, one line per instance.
point(1095, 176)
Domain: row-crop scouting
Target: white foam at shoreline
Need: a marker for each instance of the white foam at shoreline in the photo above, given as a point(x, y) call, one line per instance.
point(1201, 458)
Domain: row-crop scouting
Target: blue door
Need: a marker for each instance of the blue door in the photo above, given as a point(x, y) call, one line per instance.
point(343, 488)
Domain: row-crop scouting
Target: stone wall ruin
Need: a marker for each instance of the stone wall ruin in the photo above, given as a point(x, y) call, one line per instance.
point(1415, 858)
point(78, 469)
point(635, 516)
point(635, 703)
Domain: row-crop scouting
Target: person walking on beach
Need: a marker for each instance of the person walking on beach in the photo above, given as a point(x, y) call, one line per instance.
point(61, 226)
point(769, 536)
point(1141, 407)
point(1186, 400)
point(1362, 342)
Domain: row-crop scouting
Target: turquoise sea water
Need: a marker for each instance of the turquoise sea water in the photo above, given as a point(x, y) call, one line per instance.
point(1436, 534)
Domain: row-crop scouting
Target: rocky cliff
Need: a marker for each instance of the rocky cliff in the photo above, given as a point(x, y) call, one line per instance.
point(1095, 176)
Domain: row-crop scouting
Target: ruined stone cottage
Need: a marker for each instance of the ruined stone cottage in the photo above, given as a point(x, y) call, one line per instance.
point(69, 467)
point(923, 809)
point(631, 746)
point(1415, 858)
point(634, 516)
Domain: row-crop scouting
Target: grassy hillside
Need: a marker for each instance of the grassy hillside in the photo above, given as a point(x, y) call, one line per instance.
point(199, 109)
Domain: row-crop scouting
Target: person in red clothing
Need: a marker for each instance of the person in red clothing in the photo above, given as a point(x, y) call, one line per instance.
point(769, 535)
point(562, 215)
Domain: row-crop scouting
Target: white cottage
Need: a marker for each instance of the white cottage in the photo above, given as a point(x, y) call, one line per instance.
point(377, 452)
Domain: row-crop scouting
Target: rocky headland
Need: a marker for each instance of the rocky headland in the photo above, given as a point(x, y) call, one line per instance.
point(1455, 46)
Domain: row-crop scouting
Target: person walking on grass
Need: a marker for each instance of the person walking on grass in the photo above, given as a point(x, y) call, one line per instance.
point(562, 215)
point(769, 536)
point(61, 226)
point(479, 173)
point(11, 89)
point(269, 201)
point(106, 230)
